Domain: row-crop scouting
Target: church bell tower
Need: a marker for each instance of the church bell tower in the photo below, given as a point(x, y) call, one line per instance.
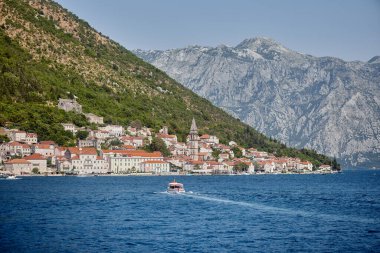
point(194, 141)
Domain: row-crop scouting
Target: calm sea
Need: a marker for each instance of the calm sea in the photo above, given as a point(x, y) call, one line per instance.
point(262, 213)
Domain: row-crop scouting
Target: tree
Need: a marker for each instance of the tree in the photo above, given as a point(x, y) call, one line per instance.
point(241, 167)
point(216, 153)
point(4, 138)
point(136, 124)
point(116, 142)
point(158, 145)
point(335, 165)
point(237, 152)
point(35, 171)
point(82, 135)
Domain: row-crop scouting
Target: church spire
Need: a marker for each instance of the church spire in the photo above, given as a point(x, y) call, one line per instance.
point(193, 128)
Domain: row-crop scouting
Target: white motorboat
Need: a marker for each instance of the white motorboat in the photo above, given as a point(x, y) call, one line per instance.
point(175, 187)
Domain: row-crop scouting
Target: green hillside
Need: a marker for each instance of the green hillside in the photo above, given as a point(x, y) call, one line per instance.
point(47, 53)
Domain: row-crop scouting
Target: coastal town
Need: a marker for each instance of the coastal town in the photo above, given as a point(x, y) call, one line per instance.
point(118, 150)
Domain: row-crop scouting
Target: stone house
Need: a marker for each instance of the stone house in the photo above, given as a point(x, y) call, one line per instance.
point(69, 105)
point(92, 118)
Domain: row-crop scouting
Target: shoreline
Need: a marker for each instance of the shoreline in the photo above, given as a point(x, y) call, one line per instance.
point(163, 175)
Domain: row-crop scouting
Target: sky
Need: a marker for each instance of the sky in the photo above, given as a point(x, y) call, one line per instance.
point(347, 29)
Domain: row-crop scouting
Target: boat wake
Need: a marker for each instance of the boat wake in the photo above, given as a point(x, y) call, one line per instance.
point(279, 210)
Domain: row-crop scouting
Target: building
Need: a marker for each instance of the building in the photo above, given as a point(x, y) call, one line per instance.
point(31, 138)
point(127, 161)
point(70, 127)
point(86, 161)
point(44, 149)
point(38, 161)
point(92, 118)
point(18, 166)
point(100, 134)
point(18, 135)
point(304, 166)
point(211, 139)
point(169, 139)
point(155, 167)
point(193, 141)
point(15, 148)
point(135, 141)
point(114, 130)
point(69, 105)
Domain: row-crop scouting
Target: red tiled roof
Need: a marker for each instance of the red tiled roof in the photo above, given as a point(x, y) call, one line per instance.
point(168, 136)
point(141, 153)
point(42, 146)
point(14, 143)
point(205, 136)
point(88, 151)
point(154, 161)
point(18, 161)
point(47, 142)
point(35, 157)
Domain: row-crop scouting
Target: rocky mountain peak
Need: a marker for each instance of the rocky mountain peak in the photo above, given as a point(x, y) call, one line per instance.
point(262, 45)
point(323, 103)
point(374, 60)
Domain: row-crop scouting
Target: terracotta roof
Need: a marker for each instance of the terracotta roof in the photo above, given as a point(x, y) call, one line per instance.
point(18, 161)
point(141, 153)
point(14, 143)
point(82, 151)
point(169, 136)
point(35, 157)
point(205, 136)
point(88, 151)
point(213, 163)
point(42, 146)
point(128, 147)
point(196, 162)
point(48, 142)
point(154, 161)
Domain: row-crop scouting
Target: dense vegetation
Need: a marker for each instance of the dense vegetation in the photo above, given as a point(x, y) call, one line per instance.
point(126, 90)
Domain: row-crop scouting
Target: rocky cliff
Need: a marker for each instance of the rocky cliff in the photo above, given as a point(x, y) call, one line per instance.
point(323, 103)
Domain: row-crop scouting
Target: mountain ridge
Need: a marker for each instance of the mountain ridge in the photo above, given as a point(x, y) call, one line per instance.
point(303, 100)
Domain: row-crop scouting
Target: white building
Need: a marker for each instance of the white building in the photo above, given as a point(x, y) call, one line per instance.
point(126, 161)
point(155, 167)
point(304, 166)
point(70, 127)
point(87, 161)
point(16, 135)
point(211, 139)
point(44, 149)
point(100, 134)
point(15, 148)
point(114, 130)
point(31, 138)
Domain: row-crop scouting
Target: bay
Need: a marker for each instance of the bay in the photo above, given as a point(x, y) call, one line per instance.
point(260, 213)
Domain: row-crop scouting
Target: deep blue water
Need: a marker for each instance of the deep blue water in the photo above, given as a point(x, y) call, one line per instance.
point(262, 213)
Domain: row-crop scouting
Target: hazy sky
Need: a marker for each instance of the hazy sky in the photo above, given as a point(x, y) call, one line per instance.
point(348, 29)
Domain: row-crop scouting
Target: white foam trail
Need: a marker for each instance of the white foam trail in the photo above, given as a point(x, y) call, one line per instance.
point(284, 211)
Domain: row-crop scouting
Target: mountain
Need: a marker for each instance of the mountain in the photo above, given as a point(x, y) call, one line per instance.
point(47, 53)
point(322, 103)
